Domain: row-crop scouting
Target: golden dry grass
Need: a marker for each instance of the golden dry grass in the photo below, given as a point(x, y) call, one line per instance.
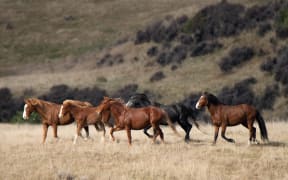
point(23, 157)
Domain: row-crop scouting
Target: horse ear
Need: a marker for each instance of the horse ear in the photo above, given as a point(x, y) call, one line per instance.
point(105, 97)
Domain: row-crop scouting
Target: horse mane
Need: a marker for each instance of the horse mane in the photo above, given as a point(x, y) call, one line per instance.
point(35, 101)
point(77, 103)
point(212, 99)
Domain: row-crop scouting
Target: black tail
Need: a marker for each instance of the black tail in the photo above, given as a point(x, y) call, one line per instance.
point(262, 126)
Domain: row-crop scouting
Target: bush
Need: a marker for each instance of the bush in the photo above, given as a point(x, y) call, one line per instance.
point(157, 76)
point(110, 60)
point(281, 23)
point(268, 98)
point(268, 65)
point(126, 91)
point(222, 19)
point(7, 105)
point(205, 47)
point(153, 51)
point(62, 92)
point(236, 57)
point(239, 94)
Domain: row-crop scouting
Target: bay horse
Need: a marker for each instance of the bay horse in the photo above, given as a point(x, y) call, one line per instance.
point(135, 118)
point(178, 112)
point(230, 115)
point(48, 112)
point(84, 116)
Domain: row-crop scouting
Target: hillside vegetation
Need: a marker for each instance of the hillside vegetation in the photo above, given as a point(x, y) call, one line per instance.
point(172, 51)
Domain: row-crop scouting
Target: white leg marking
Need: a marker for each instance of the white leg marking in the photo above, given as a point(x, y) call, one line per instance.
point(60, 115)
point(75, 139)
point(25, 112)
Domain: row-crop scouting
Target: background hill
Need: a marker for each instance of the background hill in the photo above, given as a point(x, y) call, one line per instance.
point(170, 50)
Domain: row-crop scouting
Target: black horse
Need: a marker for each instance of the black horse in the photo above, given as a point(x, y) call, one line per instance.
point(178, 112)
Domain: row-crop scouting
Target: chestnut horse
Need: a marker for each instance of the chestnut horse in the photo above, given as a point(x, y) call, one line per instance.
point(135, 118)
point(48, 112)
point(84, 116)
point(227, 115)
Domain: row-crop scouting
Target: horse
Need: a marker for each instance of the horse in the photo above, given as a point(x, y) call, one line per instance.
point(230, 115)
point(135, 118)
point(48, 112)
point(178, 112)
point(84, 116)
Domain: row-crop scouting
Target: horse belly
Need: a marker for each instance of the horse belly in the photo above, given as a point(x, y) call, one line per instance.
point(139, 125)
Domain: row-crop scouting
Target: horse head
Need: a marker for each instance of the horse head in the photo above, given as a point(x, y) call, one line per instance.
point(202, 101)
point(206, 100)
point(29, 107)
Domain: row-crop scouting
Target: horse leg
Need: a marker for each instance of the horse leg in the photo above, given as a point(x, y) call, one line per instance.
point(78, 132)
point(216, 134)
point(161, 134)
point(146, 131)
point(112, 131)
point(104, 131)
point(45, 129)
point(252, 134)
point(128, 130)
point(55, 130)
point(86, 128)
point(187, 128)
point(223, 130)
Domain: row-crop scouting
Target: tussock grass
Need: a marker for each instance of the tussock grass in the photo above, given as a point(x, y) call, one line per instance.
point(23, 157)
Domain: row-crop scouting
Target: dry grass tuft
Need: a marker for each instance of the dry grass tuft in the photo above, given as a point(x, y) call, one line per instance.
point(23, 157)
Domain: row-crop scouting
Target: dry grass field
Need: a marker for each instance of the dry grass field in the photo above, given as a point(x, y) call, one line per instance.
point(24, 157)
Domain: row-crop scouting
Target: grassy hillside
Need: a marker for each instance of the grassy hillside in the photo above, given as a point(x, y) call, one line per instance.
point(92, 43)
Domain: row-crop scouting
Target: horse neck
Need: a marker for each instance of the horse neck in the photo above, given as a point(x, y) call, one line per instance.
point(41, 109)
point(212, 108)
point(117, 110)
point(74, 110)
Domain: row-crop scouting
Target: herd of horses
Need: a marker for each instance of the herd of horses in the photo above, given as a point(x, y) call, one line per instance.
point(140, 113)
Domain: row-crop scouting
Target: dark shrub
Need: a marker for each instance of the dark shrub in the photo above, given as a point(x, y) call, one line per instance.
point(186, 39)
point(222, 19)
point(60, 93)
point(239, 94)
point(259, 14)
point(281, 67)
point(236, 57)
point(126, 91)
point(157, 76)
point(281, 22)
point(7, 106)
point(204, 47)
point(153, 51)
point(110, 60)
point(264, 28)
point(268, 98)
point(141, 37)
point(268, 65)
point(176, 55)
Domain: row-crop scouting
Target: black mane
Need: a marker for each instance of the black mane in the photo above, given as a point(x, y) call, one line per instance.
point(212, 99)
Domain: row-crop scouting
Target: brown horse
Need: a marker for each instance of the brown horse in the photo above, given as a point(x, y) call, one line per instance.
point(227, 115)
point(48, 112)
point(135, 118)
point(84, 116)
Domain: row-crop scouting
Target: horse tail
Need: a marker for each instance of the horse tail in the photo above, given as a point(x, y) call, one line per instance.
point(262, 126)
point(170, 123)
